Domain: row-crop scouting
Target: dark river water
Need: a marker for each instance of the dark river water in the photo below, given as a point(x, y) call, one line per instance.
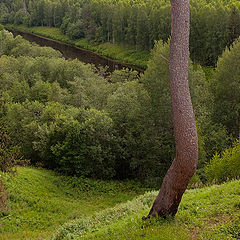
point(71, 52)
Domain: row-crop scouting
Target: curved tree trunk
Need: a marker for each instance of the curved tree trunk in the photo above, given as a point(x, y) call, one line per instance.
point(184, 165)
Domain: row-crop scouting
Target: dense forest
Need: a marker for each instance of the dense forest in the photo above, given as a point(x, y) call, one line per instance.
point(71, 117)
point(135, 23)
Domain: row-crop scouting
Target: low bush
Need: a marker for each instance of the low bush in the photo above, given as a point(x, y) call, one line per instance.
point(80, 147)
point(226, 165)
point(71, 140)
point(8, 152)
point(3, 199)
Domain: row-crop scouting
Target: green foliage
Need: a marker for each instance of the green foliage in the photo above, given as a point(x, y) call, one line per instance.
point(226, 165)
point(82, 147)
point(226, 90)
point(125, 54)
point(74, 141)
point(50, 132)
point(8, 152)
point(129, 107)
point(65, 116)
point(215, 138)
point(3, 199)
point(75, 30)
point(19, 17)
point(156, 82)
point(64, 26)
point(123, 76)
point(77, 141)
point(138, 24)
point(20, 47)
point(4, 14)
point(68, 117)
point(212, 136)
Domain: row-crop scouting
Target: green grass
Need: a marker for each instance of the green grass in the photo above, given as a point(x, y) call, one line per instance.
point(210, 213)
point(123, 54)
point(40, 200)
point(46, 205)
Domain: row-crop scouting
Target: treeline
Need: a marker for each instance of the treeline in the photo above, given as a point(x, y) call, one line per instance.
point(135, 23)
point(66, 116)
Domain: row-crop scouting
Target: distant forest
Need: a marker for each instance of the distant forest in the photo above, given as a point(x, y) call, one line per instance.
point(135, 23)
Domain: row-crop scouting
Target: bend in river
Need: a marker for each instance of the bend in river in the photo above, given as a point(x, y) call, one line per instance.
point(71, 52)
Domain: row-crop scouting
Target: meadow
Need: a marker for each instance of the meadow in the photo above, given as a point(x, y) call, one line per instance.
point(46, 205)
point(40, 200)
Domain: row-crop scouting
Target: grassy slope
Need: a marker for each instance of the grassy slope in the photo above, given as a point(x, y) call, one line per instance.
point(211, 213)
point(124, 54)
point(40, 200)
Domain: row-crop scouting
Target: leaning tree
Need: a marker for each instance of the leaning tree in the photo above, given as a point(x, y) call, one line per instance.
point(184, 165)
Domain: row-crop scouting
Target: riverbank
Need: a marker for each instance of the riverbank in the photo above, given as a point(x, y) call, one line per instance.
point(125, 55)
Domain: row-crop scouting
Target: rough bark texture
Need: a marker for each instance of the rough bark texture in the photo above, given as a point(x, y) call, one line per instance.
point(184, 165)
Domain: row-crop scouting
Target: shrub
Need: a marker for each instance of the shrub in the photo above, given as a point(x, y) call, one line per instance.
point(8, 152)
point(3, 199)
point(142, 152)
point(19, 121)
point(17, 46)
point(75, 141)
point(75, 30)
point(226, 165)
point(226, 89)
point(19, 17)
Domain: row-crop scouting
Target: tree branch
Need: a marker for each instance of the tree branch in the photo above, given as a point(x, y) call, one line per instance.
point(164, 58)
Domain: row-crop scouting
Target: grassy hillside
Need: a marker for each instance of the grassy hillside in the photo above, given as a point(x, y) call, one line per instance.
point(40, 200)
point(208, 213)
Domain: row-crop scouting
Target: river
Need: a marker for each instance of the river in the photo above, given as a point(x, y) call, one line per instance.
point(71, 52)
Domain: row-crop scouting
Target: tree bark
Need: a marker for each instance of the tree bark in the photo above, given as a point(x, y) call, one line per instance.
point(25, 6)
point(184, 165)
